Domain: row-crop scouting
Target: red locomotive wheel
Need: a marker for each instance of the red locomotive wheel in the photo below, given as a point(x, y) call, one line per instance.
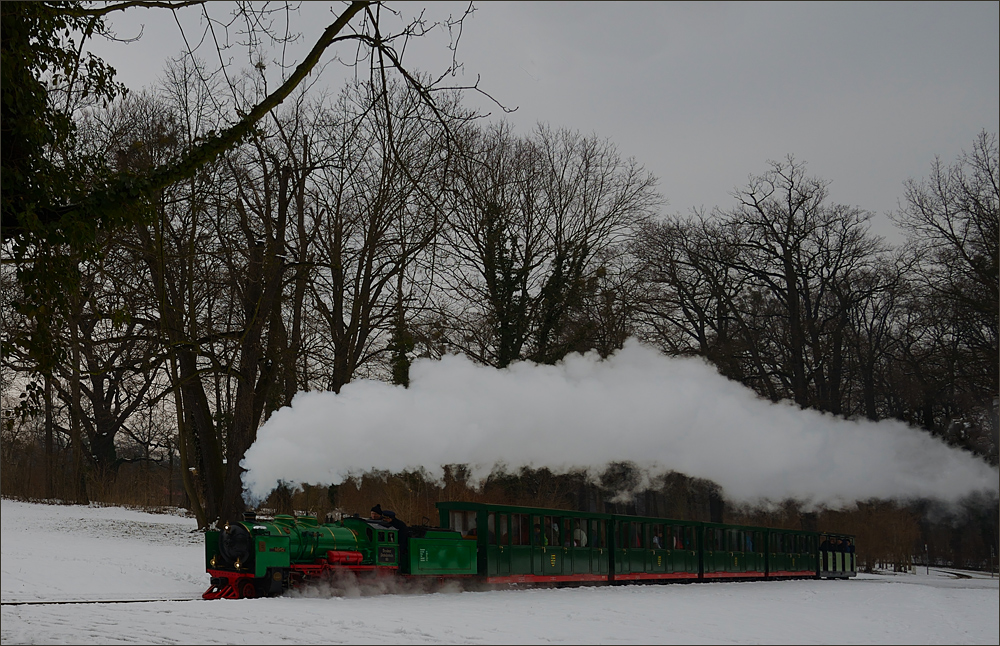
point(248, 590)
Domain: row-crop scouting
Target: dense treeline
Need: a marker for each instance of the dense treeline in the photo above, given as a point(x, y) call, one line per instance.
point(343, 236)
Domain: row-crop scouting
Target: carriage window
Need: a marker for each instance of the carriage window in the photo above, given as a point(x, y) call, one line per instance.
point(537, 531)
point(597, 539)
point(657, 540)
point(463, 522)
point(622, 537)
point(636, 535)
point(567, 532)
point(579, 533)
point(502, 533)
point(516, 531)
point(551, 531)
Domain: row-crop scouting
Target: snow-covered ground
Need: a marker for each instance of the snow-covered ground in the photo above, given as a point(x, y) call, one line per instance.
point(71, 553)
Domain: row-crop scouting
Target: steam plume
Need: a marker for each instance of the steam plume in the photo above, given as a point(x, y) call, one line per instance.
point(658, 412)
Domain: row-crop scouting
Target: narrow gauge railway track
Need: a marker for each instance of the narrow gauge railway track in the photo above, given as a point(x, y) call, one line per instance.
point(60, 602)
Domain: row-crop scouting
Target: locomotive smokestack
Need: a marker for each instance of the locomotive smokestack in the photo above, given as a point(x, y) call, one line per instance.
point(249, 516)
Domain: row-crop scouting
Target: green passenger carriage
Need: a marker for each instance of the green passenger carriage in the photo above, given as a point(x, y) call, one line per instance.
point(529, 544)
point(733, 551)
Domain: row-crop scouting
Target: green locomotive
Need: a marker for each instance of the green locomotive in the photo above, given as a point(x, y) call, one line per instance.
point(255, 557)
point(503, 544)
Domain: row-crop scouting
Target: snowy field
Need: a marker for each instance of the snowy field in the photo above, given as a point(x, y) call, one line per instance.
point(71, 553)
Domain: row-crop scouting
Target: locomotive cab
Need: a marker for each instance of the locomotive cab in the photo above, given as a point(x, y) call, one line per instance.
point(379, 544)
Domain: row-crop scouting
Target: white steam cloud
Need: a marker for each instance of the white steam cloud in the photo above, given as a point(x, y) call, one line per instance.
point(639, 406)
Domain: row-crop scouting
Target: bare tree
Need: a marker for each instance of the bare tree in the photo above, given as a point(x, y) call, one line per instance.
point(773, 291)
point(695, 303)
point(378, 206)
point(952, 221)
point(533, 226)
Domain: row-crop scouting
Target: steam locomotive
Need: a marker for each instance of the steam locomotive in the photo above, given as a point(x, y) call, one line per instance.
point(495, 545)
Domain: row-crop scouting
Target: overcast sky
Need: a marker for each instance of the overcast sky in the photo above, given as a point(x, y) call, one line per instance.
point(703, 94)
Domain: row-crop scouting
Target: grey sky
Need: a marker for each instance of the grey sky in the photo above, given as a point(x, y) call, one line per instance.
point(703, 94)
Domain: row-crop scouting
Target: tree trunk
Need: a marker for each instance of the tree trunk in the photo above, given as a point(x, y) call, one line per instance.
point(183, 445)
point(49, 440)
point(79, 481)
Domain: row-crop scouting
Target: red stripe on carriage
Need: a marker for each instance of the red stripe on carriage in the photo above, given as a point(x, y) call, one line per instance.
point(541, 578)
point(637, 576)
point(733, 575)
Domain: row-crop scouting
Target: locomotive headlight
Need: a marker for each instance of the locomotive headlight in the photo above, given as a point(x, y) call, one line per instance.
point(212, 562)
point(237, 564)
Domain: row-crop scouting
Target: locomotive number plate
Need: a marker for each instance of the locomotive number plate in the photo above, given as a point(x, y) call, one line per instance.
point(386, 554)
